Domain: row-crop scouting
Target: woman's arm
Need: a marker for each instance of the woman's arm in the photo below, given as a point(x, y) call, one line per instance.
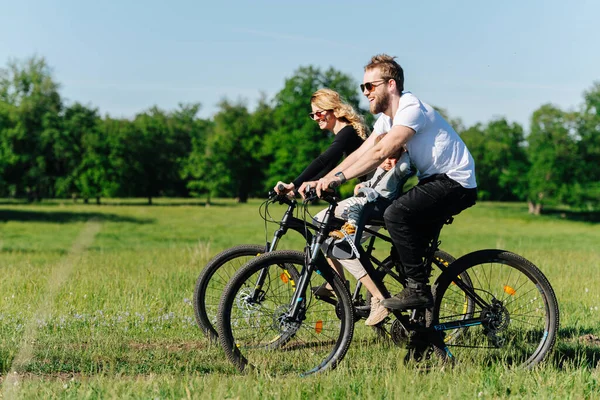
point(355, 156)
point(327, 160)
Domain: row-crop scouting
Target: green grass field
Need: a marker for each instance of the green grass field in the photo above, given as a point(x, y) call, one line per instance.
point(95, 302)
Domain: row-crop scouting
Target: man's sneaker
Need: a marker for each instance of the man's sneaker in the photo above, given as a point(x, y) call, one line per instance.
point(414, 295)
point(378, 312)
point(348, 228)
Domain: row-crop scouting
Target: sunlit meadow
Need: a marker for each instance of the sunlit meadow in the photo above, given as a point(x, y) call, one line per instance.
point(95, 302)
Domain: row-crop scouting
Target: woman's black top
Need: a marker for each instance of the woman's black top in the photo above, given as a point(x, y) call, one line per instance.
point(345, 142)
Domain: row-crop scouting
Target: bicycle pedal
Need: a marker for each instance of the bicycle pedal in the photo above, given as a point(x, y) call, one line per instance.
point(362, 311)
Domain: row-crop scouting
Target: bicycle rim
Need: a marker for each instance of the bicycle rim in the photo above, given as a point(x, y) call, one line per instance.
point(213, 279)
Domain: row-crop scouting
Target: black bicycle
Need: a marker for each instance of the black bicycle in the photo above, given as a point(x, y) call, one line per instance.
point(219, 270)
point(490, 305)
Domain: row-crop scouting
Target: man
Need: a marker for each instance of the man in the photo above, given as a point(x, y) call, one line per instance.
point(445, 168)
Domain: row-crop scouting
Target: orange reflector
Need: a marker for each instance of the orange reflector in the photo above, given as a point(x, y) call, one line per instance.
point(319, 326)
point(509, 290)
point(284, 277)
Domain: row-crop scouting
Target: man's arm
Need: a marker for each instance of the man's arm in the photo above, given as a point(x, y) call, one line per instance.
point(371, 157)
point(388, 146)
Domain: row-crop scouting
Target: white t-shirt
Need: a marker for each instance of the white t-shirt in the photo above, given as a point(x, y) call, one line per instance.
point(435, 148)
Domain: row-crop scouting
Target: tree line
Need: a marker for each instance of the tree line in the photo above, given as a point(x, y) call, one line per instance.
point(51, 149)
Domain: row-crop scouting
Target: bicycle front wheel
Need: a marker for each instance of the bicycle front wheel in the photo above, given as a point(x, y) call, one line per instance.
point(212, 280)
point(514, 316)
point(255, 328)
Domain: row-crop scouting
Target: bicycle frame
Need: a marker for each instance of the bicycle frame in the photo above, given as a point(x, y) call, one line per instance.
point(316, 261)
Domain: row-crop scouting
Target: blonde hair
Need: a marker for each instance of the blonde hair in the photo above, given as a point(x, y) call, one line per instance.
point(327, 99)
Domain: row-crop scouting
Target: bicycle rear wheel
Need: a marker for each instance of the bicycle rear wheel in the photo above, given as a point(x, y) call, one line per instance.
point(515, 316)
point(255, 330)
point(212, 280)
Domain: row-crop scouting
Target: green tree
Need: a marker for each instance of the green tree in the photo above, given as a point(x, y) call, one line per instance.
point(196, 168)
point(586, 193)
point(501, 163)
point(148, 155)
point(553, 155)
point(231, 161)
point(69, 147)
point(31, 112)
point(96, 176)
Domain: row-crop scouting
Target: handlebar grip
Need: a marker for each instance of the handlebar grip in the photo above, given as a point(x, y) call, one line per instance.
point(280, 187)
point(310, 194)
point(333, 184)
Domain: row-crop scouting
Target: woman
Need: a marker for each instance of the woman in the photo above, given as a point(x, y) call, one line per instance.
point(338, 117)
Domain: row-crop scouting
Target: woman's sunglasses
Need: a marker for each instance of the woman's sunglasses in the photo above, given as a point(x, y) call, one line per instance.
point(370, 86)
point(318, 114)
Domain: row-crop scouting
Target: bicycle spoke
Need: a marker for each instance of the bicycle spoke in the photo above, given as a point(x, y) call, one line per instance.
point(518, 320)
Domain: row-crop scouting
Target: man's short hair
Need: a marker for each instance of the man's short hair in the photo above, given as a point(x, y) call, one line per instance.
point(389, 68)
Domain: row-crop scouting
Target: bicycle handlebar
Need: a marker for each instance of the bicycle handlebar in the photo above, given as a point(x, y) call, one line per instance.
point(282, 198)
point(311, 195)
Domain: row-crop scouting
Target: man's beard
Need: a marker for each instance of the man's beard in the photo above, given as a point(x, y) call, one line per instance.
point(380, 104)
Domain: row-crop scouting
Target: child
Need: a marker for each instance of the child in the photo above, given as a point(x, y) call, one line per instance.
point(388, 180)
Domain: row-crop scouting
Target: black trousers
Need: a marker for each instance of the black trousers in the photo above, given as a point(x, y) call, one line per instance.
point(419, 214)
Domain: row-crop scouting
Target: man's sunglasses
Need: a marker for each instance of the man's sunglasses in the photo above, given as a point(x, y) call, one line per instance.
point(318, 114)
point(370, 86)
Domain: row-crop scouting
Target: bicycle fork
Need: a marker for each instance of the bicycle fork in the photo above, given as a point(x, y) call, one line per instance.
point(279, 233)
point(312, 255)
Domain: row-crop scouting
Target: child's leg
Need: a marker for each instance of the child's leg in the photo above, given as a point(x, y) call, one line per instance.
point(351, 213)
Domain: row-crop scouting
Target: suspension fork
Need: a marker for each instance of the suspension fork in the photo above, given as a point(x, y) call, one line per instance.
point(282, 230)
point(312, 255)
point(283, 226)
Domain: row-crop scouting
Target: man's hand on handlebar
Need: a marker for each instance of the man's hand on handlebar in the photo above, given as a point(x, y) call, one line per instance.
point(327, 184)
point(305, 187)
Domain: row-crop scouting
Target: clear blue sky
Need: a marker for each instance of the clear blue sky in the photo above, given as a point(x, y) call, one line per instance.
point(478, 59)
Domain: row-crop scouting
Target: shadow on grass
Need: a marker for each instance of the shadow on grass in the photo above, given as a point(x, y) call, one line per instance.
point(117, 203)
point(582, 216)
point(62, 217)
point(577, 347)
point(66, 358)
point(143, 203)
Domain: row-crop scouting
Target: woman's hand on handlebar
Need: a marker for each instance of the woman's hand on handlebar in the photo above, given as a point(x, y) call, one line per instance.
point(283, 188)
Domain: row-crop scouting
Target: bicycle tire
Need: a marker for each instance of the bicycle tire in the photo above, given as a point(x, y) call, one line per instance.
point(212, 280)
point(521, 329)
point(255, 335)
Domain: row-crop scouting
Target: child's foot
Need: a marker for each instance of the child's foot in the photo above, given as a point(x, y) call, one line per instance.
point(378, 312)
point(347, 228)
